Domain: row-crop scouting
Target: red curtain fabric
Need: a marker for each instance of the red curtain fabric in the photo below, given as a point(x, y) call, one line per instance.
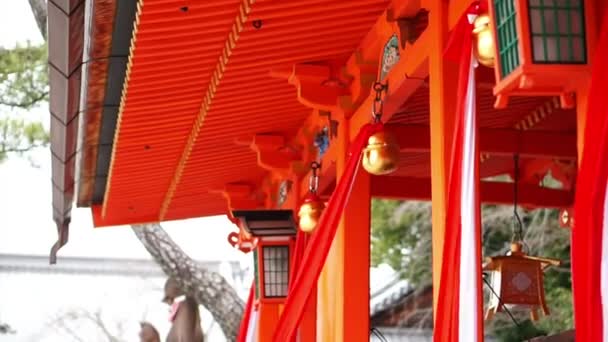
point(589, 313)
point(320, 242)
point(296, 263)
point(448, 322)
point(242, 336)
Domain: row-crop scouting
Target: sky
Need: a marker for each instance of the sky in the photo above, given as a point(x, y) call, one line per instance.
point(26, 224)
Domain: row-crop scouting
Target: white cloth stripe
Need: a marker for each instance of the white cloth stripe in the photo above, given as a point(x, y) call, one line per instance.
point(251, 326)
point(467, 308)
point(604, 268)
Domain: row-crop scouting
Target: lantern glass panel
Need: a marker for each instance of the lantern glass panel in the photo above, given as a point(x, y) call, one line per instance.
point(506, 31)
point(557, 31)
point(276, 271)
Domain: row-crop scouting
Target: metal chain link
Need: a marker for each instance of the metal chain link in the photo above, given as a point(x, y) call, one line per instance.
point(313, 182)
point(378, 105)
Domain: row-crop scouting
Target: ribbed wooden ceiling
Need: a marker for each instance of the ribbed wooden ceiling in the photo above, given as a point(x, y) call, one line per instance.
point(198, 79)
point(534, 113)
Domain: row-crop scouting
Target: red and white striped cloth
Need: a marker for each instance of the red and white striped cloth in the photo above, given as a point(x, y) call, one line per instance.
point(249, 320)
point(590, 231)
point(460, 303)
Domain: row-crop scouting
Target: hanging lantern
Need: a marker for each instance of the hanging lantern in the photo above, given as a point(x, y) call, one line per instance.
point(312, 208)
point(517, 280)
point(537, 43)
point(483, 41)
point(381, 155)
point(275, 231)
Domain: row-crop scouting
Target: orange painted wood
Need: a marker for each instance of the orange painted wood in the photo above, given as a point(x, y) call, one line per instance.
point(268, 315)
point(174, 142)
point(308, 326)
point(542, 79)
point(419, 189)
point(356, 283)
point(443, 79)
point(497, 141)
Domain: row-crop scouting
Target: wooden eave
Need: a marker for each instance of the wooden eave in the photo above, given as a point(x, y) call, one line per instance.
point(111, 27)
point(190, 105)
point(214, 105)
point(65, 40)
point(85, 84)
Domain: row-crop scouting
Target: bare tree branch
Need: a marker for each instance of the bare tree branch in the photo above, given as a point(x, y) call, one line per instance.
point(39, 10)
point(208, 288)
point(26, 104)
point(66, 323)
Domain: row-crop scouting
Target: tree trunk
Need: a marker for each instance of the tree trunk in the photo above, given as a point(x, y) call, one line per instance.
point(209, 289)
point(39, 10)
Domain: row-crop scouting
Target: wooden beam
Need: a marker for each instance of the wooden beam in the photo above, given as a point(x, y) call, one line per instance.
point(497, 141)
point(419, 189)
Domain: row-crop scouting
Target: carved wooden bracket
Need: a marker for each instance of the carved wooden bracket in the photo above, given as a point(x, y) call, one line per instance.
point(410, 27)
point(273, 152)
point(364, 73)
point(241, 196)
point(317, 86)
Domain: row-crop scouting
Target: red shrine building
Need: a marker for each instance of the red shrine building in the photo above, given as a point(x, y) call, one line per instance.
point(290, 116)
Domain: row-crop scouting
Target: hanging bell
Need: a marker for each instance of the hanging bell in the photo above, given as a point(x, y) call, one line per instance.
point(517, 280)
point(310, 212)
point(483, 41)
point(381, 155)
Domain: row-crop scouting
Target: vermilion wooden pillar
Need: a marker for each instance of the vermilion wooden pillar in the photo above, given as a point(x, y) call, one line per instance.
point(307, 331)
point(343, 288)
point(595, 7)
point(269, 314)
point(356, 227)
point(308, 326)
point(443, 80)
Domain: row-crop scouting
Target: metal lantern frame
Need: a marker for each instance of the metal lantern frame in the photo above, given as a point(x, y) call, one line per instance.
point(274, 231)
point(505, 270)
point(519, 68)
point(273, 283)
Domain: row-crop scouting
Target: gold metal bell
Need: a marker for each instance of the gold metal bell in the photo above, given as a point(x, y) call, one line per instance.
point(381, 155)
point(310, 213)
point(483, 41)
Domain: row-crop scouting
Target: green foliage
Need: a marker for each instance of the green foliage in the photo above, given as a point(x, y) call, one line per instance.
point(23, 76)
point(23, 85)
point(18, 136)
point(506, 332)
point(401, 237)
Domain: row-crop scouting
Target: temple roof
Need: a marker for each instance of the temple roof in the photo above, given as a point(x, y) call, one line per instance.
point(163, 111)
